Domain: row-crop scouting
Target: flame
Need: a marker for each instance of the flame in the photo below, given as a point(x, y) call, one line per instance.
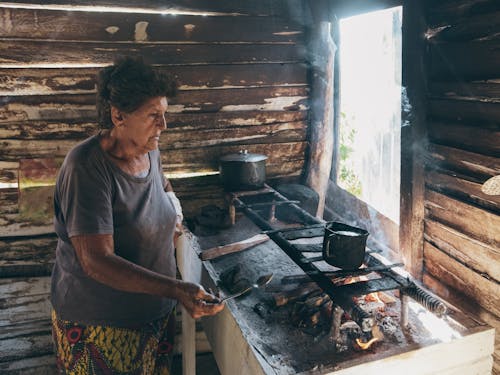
point(377, 335)
point(366, 345)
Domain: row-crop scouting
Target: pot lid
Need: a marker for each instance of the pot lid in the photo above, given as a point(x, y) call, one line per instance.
point(244, 156)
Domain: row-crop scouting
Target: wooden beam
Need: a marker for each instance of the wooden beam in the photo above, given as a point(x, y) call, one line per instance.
point(412, 135)
point(468, 191)
point(322, 52)
point(53, 54)
point(141, 27)
point(476, 165)
point(258, 8)
point(475, 286)
point(475, 222)
point(471, 60)
point(478, 256)
point(38, 81)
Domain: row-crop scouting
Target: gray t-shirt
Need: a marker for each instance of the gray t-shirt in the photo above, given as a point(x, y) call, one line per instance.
point(94, 196)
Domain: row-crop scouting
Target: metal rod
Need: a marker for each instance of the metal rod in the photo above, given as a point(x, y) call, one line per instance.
point(404, 310)
point(425, 299)
point(265, 204)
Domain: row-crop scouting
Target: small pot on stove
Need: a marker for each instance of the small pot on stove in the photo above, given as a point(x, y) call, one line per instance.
point(344, 246)
point(243, 171)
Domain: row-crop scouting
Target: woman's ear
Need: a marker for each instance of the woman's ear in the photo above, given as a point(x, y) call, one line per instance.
point(116, 116)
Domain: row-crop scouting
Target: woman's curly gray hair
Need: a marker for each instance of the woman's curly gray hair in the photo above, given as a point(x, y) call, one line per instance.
point(128, 84)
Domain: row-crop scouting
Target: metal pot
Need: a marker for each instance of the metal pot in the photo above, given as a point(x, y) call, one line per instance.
point(344, 246)
point(243, 171)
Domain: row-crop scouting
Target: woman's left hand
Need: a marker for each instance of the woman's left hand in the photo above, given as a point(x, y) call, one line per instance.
point(198, 302)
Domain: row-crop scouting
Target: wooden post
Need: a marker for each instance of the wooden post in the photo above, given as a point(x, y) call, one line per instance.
point(322, 53)
point(190, 271)
point(411, 229)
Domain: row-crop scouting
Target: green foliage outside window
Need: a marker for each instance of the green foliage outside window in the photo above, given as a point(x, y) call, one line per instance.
point(347, 178)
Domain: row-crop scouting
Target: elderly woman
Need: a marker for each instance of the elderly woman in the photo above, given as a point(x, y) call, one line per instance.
point(114, 285)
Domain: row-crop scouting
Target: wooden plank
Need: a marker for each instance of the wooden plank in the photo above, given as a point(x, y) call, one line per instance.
point(449, 271)
point(190, 270)
point(478, 166)
point(22, 309)
point(473, 111)
point(468, 191)
point(469, 90)
point(259, 7)
point(464, 303)
point(277, 133)
point(58, 107)
point(69, 129)
point(473, 138)
point(42, 365)
point(480, 257)
point(33, 81)
point(32, 345)
point(31, 286)
point(471, 60)
point(53, 54)
point(484, 26)
point(81, 128)
point(8, 171)
point(448, 11)
point(105, 26)
point(465, 218)
point(8, 201)
point(207, 159)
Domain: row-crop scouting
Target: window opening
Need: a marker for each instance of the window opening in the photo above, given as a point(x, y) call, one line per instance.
point(369, 145)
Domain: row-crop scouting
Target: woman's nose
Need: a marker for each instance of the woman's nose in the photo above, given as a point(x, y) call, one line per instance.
point(162, 123)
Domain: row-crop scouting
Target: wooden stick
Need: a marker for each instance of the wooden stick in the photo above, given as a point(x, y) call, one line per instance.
point(234, 247)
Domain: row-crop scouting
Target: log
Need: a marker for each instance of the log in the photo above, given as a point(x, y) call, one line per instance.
point(480, 167)
point(479, 90)
point(65, 106)
point(414, 78)
point(480, 257)
point(259, 8)
point(216, 252)
point(140, 27)
point(448, 11)
point(471, 60)
point(280, 155)
point(484, 26)
point(33, 81)
point(53, 53)
point(282, 298)
point(81, 128)
point(465, 218)
point(8, 201)
point(485, 292)
point(472, 138)
point(319, 164)
point(278, 133)
point(468, 191)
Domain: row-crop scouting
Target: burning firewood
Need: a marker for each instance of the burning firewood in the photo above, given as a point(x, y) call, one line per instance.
point(281, 299)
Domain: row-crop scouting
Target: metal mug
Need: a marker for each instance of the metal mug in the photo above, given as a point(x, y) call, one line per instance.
point(344, 246)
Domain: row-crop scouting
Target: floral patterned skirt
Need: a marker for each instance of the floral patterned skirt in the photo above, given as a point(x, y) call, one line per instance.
point(88, 349)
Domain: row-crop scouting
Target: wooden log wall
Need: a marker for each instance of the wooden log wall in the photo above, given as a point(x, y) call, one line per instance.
point(242, 77)
point(462, 224)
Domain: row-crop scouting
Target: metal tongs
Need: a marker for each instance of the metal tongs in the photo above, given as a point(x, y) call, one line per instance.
point(261, 282)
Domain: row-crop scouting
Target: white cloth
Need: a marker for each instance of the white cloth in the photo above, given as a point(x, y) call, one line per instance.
point(177, 205)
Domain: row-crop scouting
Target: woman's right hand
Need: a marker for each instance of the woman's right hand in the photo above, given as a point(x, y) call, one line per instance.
point(199, 302)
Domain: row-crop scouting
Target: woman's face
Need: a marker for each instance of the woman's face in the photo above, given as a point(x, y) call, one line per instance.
point(142, 128)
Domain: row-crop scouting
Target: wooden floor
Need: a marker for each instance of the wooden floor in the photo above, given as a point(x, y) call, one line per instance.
point(205, 365)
